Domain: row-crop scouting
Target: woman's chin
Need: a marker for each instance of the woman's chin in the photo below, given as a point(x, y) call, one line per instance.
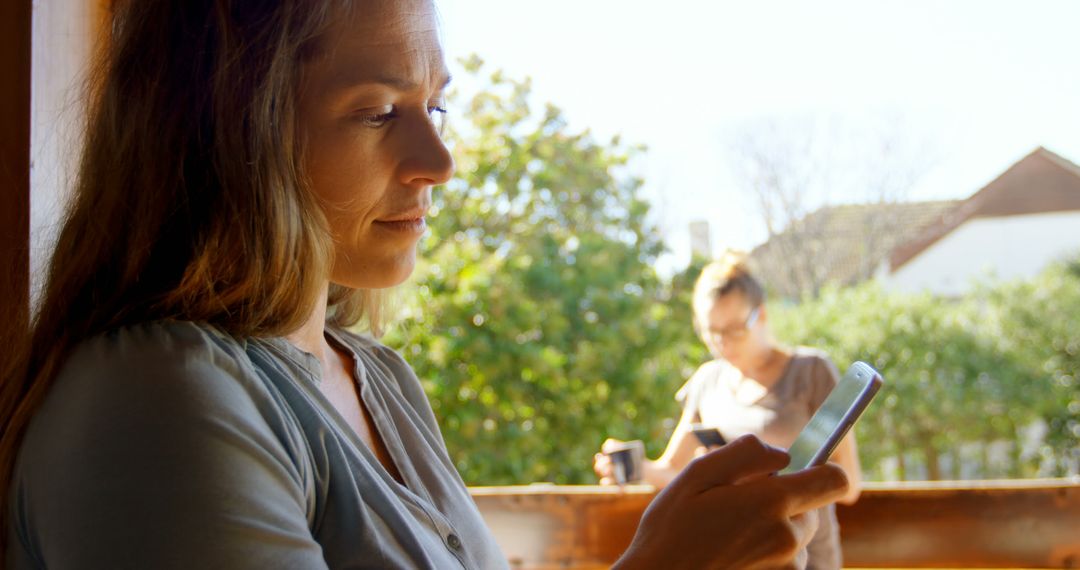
point(383, 276)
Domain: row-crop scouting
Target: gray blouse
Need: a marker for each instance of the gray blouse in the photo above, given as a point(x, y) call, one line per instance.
point(175, 445)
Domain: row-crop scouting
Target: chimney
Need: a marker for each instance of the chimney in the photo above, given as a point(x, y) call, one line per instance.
point(700, 245)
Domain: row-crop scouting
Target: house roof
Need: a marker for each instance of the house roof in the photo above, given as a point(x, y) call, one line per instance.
point(842, 244)
point(1041, 182)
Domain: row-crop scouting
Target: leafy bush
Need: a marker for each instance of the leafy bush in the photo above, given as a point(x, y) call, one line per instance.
point(1037, 322)
point(947, 381)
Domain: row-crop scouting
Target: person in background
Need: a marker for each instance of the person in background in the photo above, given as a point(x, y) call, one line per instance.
point(754, 385)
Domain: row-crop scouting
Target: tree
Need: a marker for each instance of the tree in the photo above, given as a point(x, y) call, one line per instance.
point(798, 170)
point(537, 323)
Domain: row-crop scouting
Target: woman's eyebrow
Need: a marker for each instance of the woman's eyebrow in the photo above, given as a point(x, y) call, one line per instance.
point(396, 82)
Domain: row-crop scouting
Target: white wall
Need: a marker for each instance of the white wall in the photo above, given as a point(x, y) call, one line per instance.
point(61, 46)
point(1007, 248)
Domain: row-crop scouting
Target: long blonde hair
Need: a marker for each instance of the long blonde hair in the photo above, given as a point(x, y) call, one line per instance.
point(190, 200)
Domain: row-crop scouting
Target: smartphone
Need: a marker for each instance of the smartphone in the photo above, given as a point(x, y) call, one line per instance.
point(831, 422)
point(708, 436)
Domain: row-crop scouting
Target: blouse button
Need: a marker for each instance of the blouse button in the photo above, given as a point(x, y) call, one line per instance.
point(453, 541)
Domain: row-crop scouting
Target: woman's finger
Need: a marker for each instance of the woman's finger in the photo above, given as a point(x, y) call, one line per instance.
point(745, 457)
point(813, 488)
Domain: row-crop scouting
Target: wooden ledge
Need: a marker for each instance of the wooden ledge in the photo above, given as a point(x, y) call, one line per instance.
point(962, 524)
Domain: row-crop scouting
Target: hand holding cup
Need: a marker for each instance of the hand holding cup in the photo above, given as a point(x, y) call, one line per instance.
point(620, 462)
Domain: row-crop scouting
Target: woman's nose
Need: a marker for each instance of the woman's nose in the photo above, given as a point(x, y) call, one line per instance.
point(428, 161)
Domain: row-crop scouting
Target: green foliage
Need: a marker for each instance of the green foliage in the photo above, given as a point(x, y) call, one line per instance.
point(1036, 322)
point(538, 324)
point(965, 371)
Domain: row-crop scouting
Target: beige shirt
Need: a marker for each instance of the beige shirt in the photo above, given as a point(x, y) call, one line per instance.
point(717, 397)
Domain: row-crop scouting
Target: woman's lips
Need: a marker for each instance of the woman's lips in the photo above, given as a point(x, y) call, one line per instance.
point(409, 225)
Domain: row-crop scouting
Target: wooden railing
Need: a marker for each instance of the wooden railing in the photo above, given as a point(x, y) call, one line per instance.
point(986, 524)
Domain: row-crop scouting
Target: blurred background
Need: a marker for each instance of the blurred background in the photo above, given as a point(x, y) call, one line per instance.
point(902, 173)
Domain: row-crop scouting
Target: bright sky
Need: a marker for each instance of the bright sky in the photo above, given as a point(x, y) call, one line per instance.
point(982, 82)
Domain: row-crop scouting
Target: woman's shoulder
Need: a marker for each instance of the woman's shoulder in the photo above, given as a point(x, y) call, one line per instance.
point(149, 386)
point(155, 351)
point(809, 354)
point(811, 360)
point(162, 421)
point(706, 375)
point(813, 372)
point(158, 371)
point(155, 337)
point(710, 372)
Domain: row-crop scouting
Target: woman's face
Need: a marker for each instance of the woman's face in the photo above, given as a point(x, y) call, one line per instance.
point(369, 109)
point(732, 328)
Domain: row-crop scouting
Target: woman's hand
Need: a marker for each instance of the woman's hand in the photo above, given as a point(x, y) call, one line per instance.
point(602, 466)
point(727, 510)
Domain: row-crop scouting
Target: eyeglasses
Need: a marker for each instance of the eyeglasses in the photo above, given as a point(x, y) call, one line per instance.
point(739, 332)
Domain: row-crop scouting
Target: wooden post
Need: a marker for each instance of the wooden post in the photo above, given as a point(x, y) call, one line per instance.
point(15, 50)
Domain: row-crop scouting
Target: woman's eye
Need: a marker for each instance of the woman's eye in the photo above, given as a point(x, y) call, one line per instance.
point(438, 117)
point(379, 117)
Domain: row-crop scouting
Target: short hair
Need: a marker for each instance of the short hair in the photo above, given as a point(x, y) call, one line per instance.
point(728, 274)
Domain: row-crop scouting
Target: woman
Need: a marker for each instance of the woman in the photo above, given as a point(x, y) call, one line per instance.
point(255, 174)
point(754, 386)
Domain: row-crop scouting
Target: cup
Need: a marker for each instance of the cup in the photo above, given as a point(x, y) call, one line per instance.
point(627, 460)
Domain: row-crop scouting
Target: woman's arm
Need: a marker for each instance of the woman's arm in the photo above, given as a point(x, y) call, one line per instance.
point(152, 452)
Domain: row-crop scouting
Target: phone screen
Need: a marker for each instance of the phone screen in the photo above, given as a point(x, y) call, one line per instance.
point(834, 418)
